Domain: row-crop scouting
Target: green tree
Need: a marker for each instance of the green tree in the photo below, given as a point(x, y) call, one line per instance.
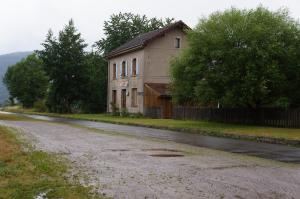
point(64, 62)
point(96, 88)
point(27, 81)
point(240, 58)
point(125, 26)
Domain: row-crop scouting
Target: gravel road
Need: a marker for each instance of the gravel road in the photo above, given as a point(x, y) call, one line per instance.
point(123, 166)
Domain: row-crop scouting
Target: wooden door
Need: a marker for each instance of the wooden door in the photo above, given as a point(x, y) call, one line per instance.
point(123, 98)
point(166, 107)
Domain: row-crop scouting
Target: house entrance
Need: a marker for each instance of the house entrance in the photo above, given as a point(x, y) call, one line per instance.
point(123, 98)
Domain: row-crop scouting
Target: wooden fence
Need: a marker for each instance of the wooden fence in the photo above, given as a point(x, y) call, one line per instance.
point(276, 117)
point(153, 112)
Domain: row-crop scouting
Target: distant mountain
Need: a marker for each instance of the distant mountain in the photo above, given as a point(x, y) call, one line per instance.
point(6, 61)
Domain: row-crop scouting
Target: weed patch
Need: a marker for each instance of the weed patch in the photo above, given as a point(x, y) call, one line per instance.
point(25, 175)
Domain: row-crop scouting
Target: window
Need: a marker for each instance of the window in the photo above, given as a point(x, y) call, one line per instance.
point(134, 97)
point(123, 69)
point(133, 72)
point(177, 42)
point(114, 97)
point(114, 71)
point(123, 98)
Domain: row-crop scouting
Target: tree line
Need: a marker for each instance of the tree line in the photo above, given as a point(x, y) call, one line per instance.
point(63, 77)
point(235, 58)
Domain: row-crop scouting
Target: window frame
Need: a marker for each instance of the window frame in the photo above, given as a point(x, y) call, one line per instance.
point(177, 42)
point(134, 67)
point(123, 69)
point(114, 71)
point(123, 98)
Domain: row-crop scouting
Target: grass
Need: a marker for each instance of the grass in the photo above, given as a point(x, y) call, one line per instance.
point(26, 174)
point(13, 117)
point(261, 133)
point(293, 134)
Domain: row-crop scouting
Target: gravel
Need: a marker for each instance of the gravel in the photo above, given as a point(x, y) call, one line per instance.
point(123, 166)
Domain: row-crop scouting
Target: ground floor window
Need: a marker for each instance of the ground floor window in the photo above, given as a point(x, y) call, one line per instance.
point(134, 97)
point(123, 98)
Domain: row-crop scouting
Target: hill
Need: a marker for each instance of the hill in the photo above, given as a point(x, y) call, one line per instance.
point(6, 61)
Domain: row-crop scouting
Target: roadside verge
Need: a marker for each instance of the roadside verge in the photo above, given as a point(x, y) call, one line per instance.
point(254, 133)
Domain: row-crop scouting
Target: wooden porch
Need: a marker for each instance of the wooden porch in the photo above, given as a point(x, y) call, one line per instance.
point(157, 100)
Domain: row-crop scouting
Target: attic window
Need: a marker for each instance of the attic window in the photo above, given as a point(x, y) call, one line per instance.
point(177, 42)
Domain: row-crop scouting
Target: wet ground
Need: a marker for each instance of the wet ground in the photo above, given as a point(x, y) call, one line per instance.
point(123, 166)
point(269, 151)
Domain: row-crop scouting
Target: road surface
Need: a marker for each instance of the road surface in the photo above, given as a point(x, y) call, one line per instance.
point(128, 166)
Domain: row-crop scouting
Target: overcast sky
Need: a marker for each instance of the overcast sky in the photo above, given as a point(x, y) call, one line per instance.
point(24, 23)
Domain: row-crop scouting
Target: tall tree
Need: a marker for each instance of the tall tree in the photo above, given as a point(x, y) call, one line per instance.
point(241, 58)
point(64, 62)
point(96, 88)
point(27, 81)
point(125, 26)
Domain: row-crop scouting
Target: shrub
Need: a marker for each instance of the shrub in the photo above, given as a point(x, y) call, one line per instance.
point(124, 112)
point(115, 109)
point(136, 115)
point(40, 106)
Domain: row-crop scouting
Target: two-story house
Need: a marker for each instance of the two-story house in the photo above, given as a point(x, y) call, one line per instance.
point(138, 71)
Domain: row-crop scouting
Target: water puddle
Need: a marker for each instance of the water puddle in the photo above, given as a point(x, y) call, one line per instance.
point(119, 150)
point(165, 150)
point(166, 155)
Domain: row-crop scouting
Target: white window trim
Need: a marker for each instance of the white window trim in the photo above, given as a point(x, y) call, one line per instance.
point(131, 67)
point(121, 63)
point(137, 70)
point(116, 75)
point(126, 68)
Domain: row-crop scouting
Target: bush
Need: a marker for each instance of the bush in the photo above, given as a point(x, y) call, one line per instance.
point(136, 115)
point(115, 109)
point(40, 106)
point(124, 112)
point(282, 102)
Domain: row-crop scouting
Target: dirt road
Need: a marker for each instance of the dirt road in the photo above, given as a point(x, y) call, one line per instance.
point(124, 166)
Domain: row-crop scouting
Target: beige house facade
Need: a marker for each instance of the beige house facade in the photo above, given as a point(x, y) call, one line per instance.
point(143, 60)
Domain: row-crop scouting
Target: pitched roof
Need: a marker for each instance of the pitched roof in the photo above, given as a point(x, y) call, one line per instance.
point(142, 40)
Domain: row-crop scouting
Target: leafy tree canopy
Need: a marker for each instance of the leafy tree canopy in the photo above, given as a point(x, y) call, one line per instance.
point(96, 88)
point(240, 58)
point(125, 26)
point(27, 81)
point(64, 62)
